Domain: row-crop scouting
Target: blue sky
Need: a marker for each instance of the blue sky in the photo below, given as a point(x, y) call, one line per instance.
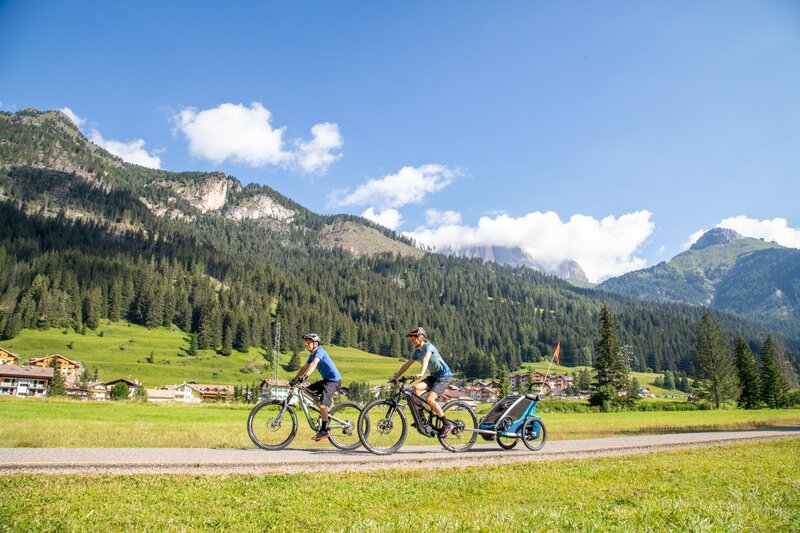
point(606, 132)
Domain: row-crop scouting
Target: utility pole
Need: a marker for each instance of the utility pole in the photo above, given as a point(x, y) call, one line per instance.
point(275, 350)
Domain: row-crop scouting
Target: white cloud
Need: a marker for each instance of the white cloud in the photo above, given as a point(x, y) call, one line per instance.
point(434, 217)
point(603, 248)
point(408, 186)
point(389, 218)
point(131, 152)
point(777, 229)
point(245, 135)
point(693, 238)
point(315, 155)
point(78, 121)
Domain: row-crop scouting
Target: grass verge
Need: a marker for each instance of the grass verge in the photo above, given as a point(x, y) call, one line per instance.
point(742, 487)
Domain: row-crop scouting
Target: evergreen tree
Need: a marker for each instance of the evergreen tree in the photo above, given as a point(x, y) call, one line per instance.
point(193, 344)
point(746, 369)
point(294, 362)
point(716, 373)
point(57, 385)
point(669, 380)
point(611, 369)
point(773, 386)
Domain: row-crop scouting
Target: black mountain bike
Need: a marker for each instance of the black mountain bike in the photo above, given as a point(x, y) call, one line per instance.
point(272, 424)
point(382, 426)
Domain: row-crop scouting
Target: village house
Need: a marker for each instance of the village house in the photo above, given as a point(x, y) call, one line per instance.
point(100, 391)
point(160, 395)
point(188, 392)
point(8, 358)
point(274, 389)
point(25, 381)
point(71, 370)
point(553, 384)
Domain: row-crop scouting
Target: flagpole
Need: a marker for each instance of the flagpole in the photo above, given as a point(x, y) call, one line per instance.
point(547, 375)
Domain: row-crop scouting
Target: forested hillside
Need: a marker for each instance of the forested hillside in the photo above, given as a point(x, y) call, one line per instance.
point(757, 280)
point(84, 236)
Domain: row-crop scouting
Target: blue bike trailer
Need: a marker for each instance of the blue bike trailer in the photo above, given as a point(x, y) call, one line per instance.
point(509, 413)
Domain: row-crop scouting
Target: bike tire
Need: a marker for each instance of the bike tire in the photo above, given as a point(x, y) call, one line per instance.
point(262, 429)
point(344, 431)
point(375, 426)
point(507, 443)
point(464, 418)
point(529, 438)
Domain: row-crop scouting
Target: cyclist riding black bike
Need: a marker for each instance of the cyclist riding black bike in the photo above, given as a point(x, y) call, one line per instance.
point(438, 380)
point(326, 387)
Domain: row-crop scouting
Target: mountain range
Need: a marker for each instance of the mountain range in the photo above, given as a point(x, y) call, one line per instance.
point(84, 234)
point(752, 278)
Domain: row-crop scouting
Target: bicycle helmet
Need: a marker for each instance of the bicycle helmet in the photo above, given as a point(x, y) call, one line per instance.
point(312, 336)
point(417, 331)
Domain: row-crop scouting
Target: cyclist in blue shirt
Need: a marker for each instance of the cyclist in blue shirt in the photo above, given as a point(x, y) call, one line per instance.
point(324, 388)
point(440, 374)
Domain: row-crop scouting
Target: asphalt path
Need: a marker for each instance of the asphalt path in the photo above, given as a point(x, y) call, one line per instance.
point(296, 459)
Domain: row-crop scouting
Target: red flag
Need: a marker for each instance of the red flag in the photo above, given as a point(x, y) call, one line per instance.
point(557, 353)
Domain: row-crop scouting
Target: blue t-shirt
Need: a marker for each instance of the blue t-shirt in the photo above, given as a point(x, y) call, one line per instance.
point(436, 365)
point(325, 366)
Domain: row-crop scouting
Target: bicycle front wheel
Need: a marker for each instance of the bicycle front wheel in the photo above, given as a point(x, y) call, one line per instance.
point(270, 426)
point(382, 427)
point(342, 424)
point(463, 435)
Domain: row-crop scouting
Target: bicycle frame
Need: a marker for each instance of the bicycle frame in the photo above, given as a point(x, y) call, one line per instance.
point(308, 403)
point(419, 409)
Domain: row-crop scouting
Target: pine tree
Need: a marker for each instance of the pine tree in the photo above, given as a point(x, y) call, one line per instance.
point(773, 386)
point(294, 362)
point(716, 373)
point(57, 385)
point(669, 380)
point(747, 371)
point(611, 370)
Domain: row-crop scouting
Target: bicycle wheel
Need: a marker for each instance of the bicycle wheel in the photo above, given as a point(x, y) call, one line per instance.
point(342, 421)
point(534, 434)
point(506, 443)
point(461, 438)
point(269, 431)
point(382, 427)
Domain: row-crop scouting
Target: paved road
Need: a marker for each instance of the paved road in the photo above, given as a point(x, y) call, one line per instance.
point(255, 461)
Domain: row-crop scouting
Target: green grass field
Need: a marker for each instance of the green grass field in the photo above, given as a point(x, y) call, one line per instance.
point(122, 349)
point(30, 423)
point(743, 487)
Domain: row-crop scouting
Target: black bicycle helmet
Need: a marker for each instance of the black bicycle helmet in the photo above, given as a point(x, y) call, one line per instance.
point(417, 331)
point(312, 336)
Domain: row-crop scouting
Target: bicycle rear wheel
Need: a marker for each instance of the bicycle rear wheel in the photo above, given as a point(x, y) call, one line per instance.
point(270, 429)
point(382, 427)
point(342, 424)
point(463, 435)
point(534, 434)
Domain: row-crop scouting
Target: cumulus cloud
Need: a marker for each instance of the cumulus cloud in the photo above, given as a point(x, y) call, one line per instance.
point(131, 152)
point(78, 121)
point(434, 217)
point(603, 248)
point(777, 230)
point(316, 155)
point(390, 218)
point(408, 186)
point(246, 135)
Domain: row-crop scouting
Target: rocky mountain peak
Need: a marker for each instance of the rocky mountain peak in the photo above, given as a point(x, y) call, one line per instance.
point(714, 237)
point(209, 194)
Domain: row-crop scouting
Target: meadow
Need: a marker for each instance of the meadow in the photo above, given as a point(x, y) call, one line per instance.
point(741, 487)
point(30, 423)
point(124, 350)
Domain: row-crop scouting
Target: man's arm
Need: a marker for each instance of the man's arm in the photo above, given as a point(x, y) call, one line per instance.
point(306, 369)
point(403, 369)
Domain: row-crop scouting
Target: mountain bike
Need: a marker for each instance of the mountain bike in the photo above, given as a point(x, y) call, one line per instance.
point(272, 424)
point(382, 426)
